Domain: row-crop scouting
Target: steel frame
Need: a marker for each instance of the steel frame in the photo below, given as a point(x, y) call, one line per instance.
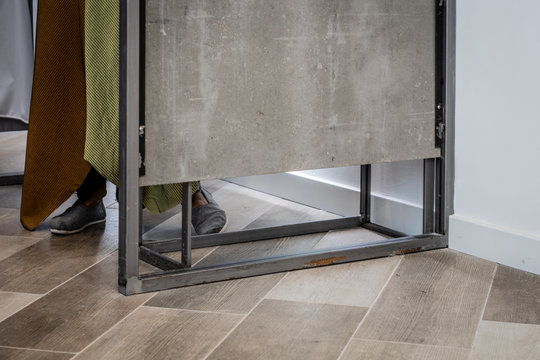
point(437, 203)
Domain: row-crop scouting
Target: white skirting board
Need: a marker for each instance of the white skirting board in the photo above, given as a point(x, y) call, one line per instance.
point(337, 198)
point(495, 243)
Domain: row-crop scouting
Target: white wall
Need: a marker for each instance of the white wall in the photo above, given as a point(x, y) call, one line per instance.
point(497, 183)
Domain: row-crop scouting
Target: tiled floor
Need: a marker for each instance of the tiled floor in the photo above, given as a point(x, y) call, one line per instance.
point(58, 298)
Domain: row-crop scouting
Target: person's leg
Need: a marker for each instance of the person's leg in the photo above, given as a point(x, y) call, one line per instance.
point(88, 209)
point(93, 188)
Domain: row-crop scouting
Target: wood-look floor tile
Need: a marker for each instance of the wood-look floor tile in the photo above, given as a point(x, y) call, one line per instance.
point(13, 150)
point(349, 237)
point(13, 244)
point(291, 330)
point(235, 296)
point(11, 302)
point(259, 249)
point(436, 297)
point(26, 354)
point(150, 221)
point(213, 185)
point(164, 227)
point(10, 196)
point(353, 284)
point(196, 256)
point(289, 213)
point(110, 199)
point(154, 333)
point(242, 205)
point(73, 315)
point(502, 341)
point(53, 260)
point(514, 297)
point(371, 350)
point(10, 216)
point(10, 225)
point(284, 212)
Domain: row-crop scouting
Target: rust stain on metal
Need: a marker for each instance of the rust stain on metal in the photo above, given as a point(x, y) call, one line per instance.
point(407, 251)
point(323, 262)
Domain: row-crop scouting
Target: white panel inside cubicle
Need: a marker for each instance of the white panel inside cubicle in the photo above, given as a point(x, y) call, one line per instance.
point(497, 196)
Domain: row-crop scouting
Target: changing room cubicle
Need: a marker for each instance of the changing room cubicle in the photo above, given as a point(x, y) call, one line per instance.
point(214, 89)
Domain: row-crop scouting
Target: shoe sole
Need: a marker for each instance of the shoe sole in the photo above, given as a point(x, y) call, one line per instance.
point(69, 232)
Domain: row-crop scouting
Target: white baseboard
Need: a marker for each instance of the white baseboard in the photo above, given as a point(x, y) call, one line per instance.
point(491, 242)
point(337, 198)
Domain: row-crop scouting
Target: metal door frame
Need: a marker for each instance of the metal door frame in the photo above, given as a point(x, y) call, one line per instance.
point(437, 203)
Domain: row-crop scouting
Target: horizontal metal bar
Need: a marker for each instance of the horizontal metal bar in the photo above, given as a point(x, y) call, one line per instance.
point(201, 241)
point(11, 178)
point(156, 259)
point(383, 230)
point(193, 276)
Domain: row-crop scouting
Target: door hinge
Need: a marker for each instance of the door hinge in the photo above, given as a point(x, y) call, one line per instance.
point(142, 168)
point(440, 126)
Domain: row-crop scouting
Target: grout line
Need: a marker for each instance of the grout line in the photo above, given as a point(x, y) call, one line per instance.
point(193, 265)
point(311, 302)
point(273, 287)
point(241, 320)
point(109, 330)
point(489, 291)
point(56, 287)
point(415, 344)
point(193, 310)
point(485, 302)
point(32, 349)
point(79, 273)
point(371, 307)
point(19, 293)
point(205, 256)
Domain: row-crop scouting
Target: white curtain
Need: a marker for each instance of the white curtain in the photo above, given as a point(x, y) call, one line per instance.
point(16, 63)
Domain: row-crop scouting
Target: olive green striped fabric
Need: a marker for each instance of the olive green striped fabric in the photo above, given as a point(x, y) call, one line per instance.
point(102, 96)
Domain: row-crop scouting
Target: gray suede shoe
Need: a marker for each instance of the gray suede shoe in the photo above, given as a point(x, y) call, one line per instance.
point(77, 218)
point(210, 218)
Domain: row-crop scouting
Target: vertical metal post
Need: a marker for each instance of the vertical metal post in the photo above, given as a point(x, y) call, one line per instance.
point(428, 219)
point(445, 103)
point(129, 193)
point(448, 148)
point(186, 224)
point(439, 196)
point(365, 193)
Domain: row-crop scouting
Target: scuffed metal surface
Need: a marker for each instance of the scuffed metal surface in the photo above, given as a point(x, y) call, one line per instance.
point(323, 262)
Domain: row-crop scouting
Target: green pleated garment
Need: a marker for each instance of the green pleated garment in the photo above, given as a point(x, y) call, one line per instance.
point(102, 68)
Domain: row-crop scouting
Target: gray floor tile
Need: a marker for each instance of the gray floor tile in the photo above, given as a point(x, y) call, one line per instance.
point(157, 333)
point(503, 341)
point(234, 296)
point(354, 284)
point(434, 298)
point(74, 314)
point(377, 350)
point(511, 284)
point(291, 330)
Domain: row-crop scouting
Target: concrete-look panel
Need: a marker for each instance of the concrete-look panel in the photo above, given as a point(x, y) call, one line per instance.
point(246, 87)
